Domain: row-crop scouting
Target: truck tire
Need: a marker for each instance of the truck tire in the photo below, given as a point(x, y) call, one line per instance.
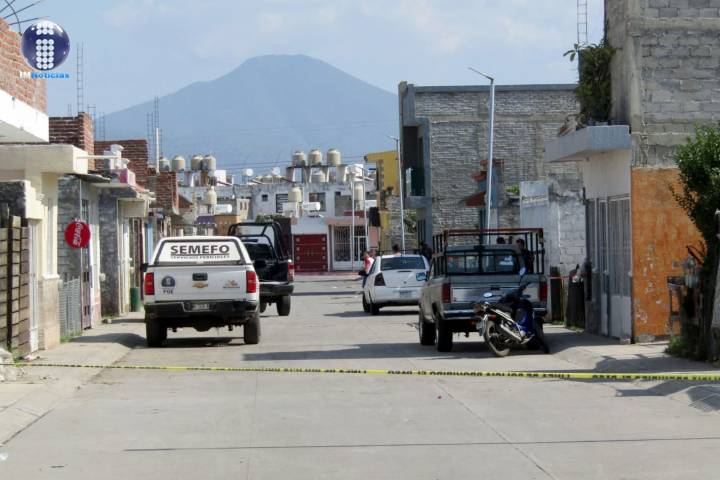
point(251, 330)
point(374, 308)
point(263, 307)
point(426, 331)
point(443, 336)
point(283, 306)
point(155, 333)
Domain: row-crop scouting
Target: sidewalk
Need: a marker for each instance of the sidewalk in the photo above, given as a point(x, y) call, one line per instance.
point(39, 390)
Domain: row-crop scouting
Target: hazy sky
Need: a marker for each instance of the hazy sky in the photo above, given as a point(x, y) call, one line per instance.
point(135, 49)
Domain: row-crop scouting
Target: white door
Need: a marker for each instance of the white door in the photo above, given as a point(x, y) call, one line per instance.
point(620, 267)
point(125, 261)
point(603, 268)
point(34, 265)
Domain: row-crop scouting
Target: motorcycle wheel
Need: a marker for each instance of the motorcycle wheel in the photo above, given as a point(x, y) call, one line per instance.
point(541, 337)
point(495, 341)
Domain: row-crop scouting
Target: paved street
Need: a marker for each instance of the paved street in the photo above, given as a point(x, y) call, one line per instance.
point(157, 424)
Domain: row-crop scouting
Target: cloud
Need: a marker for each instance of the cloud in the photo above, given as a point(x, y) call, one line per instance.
point(138, 12)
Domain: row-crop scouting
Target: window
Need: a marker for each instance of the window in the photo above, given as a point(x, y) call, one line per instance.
point(402, 263)
point(486, 262)
point(264, 197)
point(280, 198)
point(318, 197)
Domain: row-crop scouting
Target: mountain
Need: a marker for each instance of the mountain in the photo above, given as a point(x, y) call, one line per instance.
point(257, 114)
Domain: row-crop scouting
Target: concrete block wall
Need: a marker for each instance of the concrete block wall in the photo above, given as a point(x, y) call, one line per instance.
point(29, 90)
point(525, 116)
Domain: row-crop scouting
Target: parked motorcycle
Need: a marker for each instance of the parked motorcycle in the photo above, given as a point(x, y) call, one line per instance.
point(509, 322)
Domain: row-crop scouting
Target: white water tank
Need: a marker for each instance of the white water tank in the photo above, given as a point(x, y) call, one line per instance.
point(359, 194)
point(196, 163)
point(164, 164)
point(315, 157)
point(209, 163)
point(317, 177)
point(178, 163)
point(341, 174)
point(295, 195)
point(333, 157)
point(299, 159)
point(210, 196)
point(248, 172)
point(268, 179)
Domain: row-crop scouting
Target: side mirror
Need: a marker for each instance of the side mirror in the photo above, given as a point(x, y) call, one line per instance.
point(522, 272)
point(421, 277)
point(260, 264)
point(143, 267)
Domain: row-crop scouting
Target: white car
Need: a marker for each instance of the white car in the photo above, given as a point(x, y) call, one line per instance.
point(394, 280)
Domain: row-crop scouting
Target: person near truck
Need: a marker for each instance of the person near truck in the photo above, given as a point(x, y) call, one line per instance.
point(527, 256)
point(426, 251)
point(368, 260)
point(396, 250)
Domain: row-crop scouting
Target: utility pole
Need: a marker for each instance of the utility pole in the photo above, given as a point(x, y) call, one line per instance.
point(491, 128)
point(400, 185)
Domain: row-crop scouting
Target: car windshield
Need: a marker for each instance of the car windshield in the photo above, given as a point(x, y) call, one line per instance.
point(486, 262)
point(403, 263)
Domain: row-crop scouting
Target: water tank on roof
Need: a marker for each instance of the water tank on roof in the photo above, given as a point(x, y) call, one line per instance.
point(248, 172)
point(178, 163)
point(299, 159)
point(268, 179)
point(317, 177)
point(196, 163)
point(359, 194)
point(295, 195)
point(333, 157)
point(315, 157)
point(210, 196)
point(164, 164)
point(341, 174)
point(209, 163)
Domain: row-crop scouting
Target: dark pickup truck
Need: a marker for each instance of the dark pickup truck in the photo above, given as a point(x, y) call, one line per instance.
point(274, 267)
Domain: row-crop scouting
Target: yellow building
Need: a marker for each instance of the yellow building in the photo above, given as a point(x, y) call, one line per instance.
point(388, 196)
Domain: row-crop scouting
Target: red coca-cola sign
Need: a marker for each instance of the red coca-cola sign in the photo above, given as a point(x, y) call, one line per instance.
point(77, 234)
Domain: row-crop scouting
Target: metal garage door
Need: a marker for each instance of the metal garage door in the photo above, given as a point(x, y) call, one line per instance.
point(310, 253)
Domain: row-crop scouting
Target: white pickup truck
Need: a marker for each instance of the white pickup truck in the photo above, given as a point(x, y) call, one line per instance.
point(200, 282)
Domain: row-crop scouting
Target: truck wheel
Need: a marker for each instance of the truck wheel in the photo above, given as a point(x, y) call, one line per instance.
point(155, 332)
point(366, 305)
point(443, 336)
point(252, 330)
point(426, 331)
point(374, 308)
point(263, 307)
point(283, 306)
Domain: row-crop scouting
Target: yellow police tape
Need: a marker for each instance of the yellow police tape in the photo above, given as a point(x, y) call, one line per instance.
point(694, 377)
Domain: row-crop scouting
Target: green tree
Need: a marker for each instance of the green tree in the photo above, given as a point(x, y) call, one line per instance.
point(699, 196)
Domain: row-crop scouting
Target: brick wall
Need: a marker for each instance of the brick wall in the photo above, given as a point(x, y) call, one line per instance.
point(135, 150)
point(76, 131)
point(12, 62)
point(166, 190)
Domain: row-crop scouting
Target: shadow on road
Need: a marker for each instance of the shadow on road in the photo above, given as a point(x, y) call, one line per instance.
point(130, 340)
point(201, 342)
point(360, 313)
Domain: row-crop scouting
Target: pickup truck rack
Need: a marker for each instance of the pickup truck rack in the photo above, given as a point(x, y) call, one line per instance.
point(533, 238)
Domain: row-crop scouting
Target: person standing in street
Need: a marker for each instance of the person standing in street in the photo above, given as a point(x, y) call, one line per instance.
point(426, 251)
point(396, 250)
point(368, 261)
point(527, 256)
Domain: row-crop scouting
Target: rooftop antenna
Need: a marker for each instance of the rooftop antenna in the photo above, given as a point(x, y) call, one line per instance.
point(582, 23)
point(11, 13)
point(92, 111)
point(70, 110)
point(80, 81)
point(150, 134)
point(101, 127)
point(157, 129)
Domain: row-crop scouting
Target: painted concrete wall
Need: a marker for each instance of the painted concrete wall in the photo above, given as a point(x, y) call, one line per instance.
point(661, 231)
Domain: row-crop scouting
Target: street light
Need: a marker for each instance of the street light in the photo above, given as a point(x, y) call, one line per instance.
point(400, 183)
point(491, 126)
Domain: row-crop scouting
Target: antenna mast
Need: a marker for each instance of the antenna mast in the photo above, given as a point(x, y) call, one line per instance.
point(79, 79)
point(582, 22)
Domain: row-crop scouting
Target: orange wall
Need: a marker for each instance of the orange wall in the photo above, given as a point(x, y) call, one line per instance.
point(660, 232)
